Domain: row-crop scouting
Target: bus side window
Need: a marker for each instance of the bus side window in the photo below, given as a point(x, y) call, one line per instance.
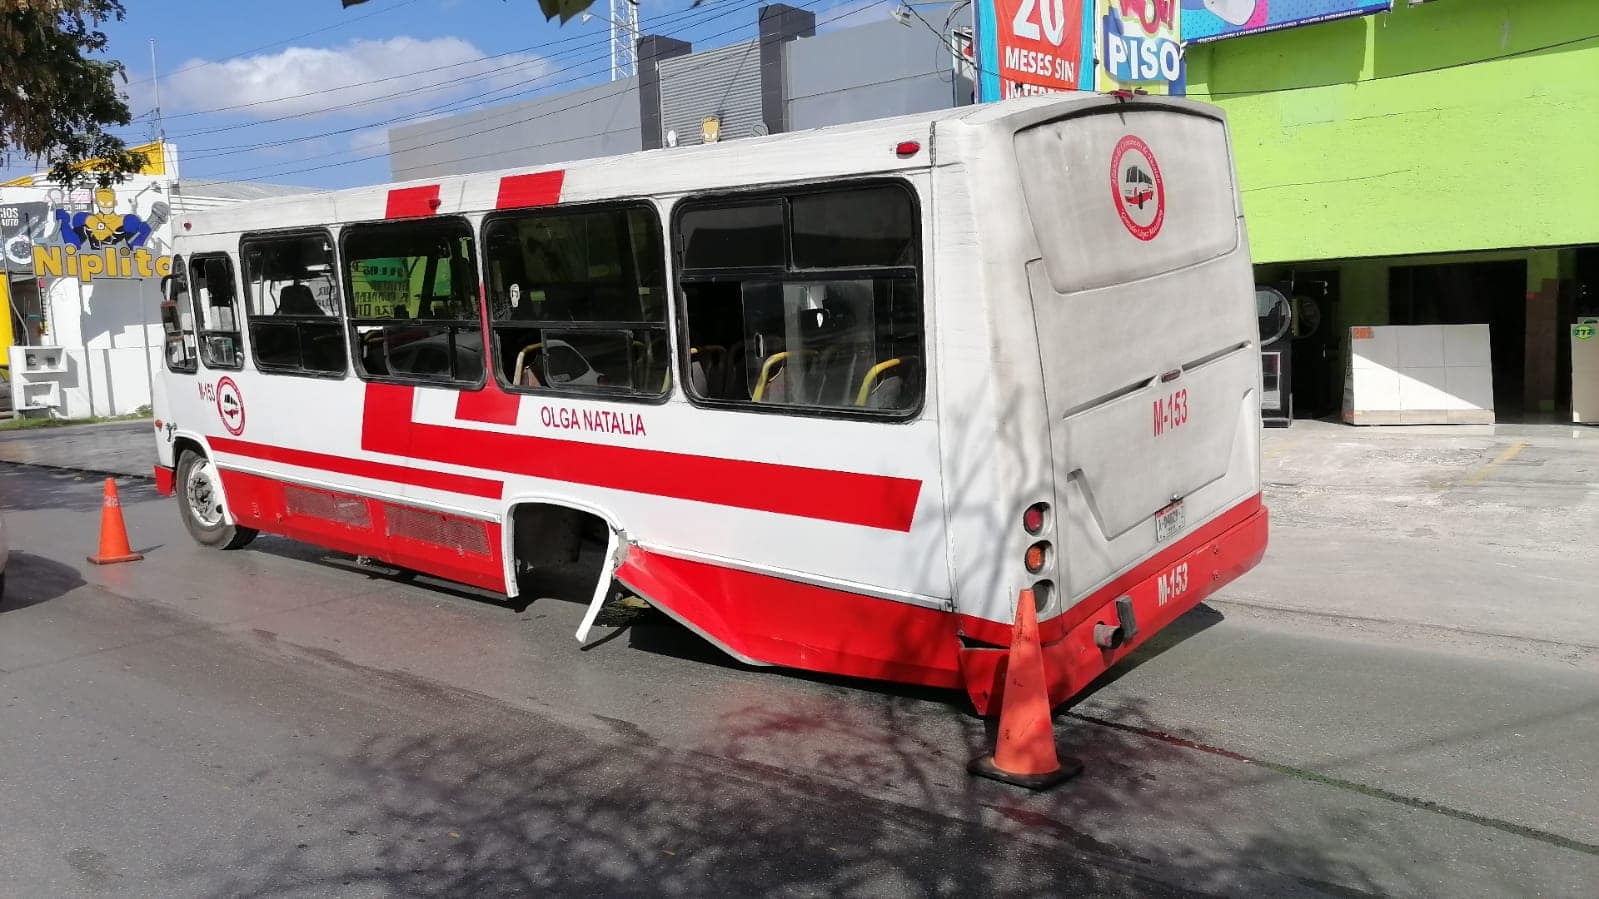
point(177, 321)
point(216, 308)
point(577, 300)
point(816, 294)
point(291, 304)
point(412, 296)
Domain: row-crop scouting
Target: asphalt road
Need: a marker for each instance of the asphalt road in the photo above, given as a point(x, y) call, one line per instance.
point(278, 722)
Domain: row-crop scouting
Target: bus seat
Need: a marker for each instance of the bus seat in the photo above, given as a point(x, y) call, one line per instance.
point(840, 369)
point(704, 363)
point(373, 357)
point(297, 299)
point(525, 376)
point(879, 392)
point(771, 370)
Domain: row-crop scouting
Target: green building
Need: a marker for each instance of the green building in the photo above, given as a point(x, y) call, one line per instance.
point(1436, 164)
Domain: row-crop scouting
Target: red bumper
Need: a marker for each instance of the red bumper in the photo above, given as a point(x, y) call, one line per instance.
point(1161, 590)
point(165, 480)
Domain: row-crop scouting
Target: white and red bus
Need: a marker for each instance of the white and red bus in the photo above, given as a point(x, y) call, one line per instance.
point(830, 399)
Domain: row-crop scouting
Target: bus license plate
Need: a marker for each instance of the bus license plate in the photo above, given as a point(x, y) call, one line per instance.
point(1169, 521)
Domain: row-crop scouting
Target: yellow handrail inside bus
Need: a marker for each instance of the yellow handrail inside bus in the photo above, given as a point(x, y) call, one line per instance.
point(520, 359)
point(766, 374)
point(871, 379)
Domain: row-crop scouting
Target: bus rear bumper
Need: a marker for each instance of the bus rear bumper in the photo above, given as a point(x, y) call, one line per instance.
point(1072, 658)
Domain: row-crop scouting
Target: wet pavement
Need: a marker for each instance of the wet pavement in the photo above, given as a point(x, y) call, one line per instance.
point(110, 448)
point(279, 721)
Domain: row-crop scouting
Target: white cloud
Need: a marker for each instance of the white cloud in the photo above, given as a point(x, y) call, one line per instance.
point(372, 142)
point(317, 81)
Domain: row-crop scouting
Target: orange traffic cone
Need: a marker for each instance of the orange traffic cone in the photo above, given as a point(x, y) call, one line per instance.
point(1025, 754)
point(113, 534)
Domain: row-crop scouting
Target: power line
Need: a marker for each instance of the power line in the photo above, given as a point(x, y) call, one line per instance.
point(535, 117)
point(240, 149)
point(278, 43)
point(503, 93)
point(573, 38)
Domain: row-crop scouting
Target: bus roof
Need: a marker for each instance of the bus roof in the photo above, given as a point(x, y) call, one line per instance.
point(835, 151)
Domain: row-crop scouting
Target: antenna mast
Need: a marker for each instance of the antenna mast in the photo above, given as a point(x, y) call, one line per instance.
point(624, 39)
point(155, 79)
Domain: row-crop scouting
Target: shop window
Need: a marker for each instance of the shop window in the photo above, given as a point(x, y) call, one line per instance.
point(413, 298)
point(826, 316)
point(216, 308)
point(177, 322)
point(578, 300)
point(291, 305)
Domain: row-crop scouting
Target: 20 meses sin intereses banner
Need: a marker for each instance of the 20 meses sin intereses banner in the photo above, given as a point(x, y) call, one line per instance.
point(1030, 47)
point(1027, 47)
point(1212, 20)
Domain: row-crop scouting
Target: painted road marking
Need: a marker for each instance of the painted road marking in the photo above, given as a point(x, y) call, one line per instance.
point(1481, 474)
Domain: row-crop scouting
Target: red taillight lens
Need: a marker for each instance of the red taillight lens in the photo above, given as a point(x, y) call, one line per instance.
point(1033, 518)
point(1037, 557)
point(907, 148)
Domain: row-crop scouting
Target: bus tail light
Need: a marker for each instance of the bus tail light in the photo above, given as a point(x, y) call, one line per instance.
point(1033, 518)
point(1037, 557)
point(907, 149)
point(1043, 593)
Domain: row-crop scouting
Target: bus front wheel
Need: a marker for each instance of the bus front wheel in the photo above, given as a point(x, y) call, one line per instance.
point(200, 503)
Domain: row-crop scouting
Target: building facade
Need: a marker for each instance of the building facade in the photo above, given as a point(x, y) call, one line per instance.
point(1409, 162)
point(80, 276)
point(1434, 164)
point(793, 76)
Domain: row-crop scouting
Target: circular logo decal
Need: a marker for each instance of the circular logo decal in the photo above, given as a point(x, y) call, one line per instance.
point(230, 405)
point(1138, 191)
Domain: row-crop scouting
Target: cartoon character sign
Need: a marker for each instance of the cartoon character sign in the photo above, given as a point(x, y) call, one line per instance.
point(1209, 20)
point(103, 227)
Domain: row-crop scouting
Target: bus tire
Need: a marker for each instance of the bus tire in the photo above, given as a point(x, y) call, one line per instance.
point(200, 504)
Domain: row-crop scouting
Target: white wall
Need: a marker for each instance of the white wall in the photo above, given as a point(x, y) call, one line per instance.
point(110, 328)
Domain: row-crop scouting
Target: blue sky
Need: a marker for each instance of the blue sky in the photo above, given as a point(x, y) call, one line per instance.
point(302, 92)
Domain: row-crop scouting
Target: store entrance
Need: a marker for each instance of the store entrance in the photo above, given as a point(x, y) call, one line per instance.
point(1465, 293)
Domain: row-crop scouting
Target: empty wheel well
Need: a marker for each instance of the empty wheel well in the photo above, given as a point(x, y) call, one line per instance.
point(559, 550)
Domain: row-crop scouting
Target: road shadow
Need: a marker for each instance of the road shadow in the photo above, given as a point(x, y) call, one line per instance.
point(869, 800)
point(1191, 624)
point(32, 580)
point(567, 814)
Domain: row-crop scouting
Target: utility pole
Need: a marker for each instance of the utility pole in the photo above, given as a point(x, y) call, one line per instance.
point(155, 79)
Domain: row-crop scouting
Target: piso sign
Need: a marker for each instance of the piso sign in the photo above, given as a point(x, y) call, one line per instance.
point(101, 244)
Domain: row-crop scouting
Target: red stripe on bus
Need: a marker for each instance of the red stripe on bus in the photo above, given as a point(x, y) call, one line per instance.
point(1052, 629)
point(412, 202)
point(377, 471)
point(261, 502)
point(525, 191)
point(491, 405)
point(868, 500)
point(783, 622)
